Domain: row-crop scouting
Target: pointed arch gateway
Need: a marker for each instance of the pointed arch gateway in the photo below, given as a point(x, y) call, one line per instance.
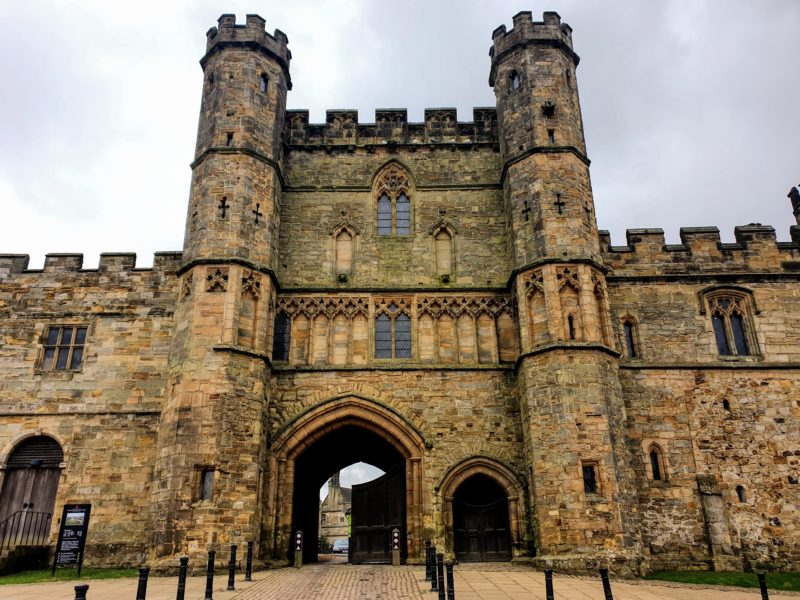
point(483, 510)
point(327, 437)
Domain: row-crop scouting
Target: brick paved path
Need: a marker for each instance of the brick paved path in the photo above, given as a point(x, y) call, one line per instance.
point(379, 582)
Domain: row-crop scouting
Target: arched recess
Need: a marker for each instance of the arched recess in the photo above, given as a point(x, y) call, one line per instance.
point(313, 426)
point(31, 469)
point(500, 473)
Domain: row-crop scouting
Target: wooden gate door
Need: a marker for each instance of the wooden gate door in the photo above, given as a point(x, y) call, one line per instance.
point(481, 532)
point(378, 507)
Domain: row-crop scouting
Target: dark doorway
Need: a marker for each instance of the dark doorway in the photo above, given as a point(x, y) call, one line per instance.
point(480, 521)
point(378, 508)
point(29, 491)
point(342, 447)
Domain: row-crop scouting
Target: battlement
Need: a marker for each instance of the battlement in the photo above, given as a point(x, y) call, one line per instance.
point(391, 126)
point(110, 262)
point(253, 32)
point(702, 250)
point(550, 32)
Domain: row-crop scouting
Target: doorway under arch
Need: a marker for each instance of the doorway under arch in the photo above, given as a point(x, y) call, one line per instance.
point(480, 521)
point(29, 488)
point(333, 435)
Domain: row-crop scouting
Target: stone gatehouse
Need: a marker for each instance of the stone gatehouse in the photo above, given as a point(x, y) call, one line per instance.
point(433, 299)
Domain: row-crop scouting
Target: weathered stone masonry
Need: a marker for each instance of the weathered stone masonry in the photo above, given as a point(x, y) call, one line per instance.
point(637, 405)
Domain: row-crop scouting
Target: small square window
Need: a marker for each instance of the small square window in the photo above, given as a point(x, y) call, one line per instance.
point(63, 348)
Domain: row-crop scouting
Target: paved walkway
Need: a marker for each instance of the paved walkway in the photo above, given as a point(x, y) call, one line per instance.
point(368, 582)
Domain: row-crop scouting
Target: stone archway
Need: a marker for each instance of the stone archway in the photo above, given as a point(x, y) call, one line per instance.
point(500, 474)
point(322, 421)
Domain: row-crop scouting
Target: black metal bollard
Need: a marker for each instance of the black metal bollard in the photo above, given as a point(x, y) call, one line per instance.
point(606, 584)
point(548, 584)
point(232, 568)
point(141, 591)
point(762, 583)
point(451, 590)
point(80, 591)
point(440, 575)
point(182, 578)
point(210, 576)
point(427, 560)
point(434, 580)
point(248, 572)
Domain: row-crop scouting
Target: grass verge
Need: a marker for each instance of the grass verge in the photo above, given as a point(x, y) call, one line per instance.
point(66, 575)
point(789, 582)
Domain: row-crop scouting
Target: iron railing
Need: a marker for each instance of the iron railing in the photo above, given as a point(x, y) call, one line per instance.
point(25, 528)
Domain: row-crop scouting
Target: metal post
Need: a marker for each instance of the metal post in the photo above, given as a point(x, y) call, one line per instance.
point(182, 578)
point(440, 575)
point(427, 560)
point(762, 583)
point(80, 591)
point(451, 590)
point(248, 573)
point(606, 584)
point(232, 568)
point(210, 576)
point(298, 549)
point(395, 547)
point(141, 591)
point(434, 580)
point(548, 584)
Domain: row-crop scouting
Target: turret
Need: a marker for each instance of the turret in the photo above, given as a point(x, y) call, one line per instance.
point(547, 187)
point(233, 209)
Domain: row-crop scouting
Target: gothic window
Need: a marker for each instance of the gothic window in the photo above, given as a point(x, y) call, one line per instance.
point(630, 336)
point(281, 337)
point(392, 334)
point(732, 322)
point(393, 193)
point(262, 83)
point(656, 457)
point(63, 348)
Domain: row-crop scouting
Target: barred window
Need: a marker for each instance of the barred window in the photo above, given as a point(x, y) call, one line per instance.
point(393, 334)
point(731, 322)
point(63, 348)
point(282, 337)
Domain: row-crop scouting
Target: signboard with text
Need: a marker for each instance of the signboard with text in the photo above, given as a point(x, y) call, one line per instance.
point(72, 536)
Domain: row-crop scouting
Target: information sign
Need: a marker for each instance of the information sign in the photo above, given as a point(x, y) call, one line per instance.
point(72, 536)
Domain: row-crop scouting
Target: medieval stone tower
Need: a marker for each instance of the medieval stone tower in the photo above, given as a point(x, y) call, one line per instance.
point(432, 298)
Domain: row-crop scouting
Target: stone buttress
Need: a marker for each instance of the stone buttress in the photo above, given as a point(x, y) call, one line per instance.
point(582, 486)
point(212, 433)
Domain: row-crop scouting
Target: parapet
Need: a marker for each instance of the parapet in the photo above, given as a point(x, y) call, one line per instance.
point(391, 126)
point(550, 31)
point(252, 34)
point(756, 249)
point(110, 262)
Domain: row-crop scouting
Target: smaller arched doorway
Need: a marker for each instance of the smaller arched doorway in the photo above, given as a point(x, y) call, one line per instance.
point(29, 489)
point(480, 521)
point(482, 510)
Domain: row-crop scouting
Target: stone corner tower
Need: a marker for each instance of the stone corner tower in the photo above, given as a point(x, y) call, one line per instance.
point(212, 432)
point(582, 488)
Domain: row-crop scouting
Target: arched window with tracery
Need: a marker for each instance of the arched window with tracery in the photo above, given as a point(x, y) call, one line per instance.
point(392, 331)
point(393, 201)
point(731, 313)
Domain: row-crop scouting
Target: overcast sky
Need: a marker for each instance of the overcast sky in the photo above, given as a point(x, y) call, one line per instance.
point(690, 107)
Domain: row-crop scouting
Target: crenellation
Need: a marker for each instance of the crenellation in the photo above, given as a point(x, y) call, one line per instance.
point(60, 262)
point(117, 261)
point(253, 31)
point(391, 126)
point(701, 250)
point(13, 263)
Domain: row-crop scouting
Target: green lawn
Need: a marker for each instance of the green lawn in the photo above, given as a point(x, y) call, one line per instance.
point(66, 575)
point(775, 581)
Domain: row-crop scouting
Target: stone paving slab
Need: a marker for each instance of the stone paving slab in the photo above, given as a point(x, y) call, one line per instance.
point(380, 582)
